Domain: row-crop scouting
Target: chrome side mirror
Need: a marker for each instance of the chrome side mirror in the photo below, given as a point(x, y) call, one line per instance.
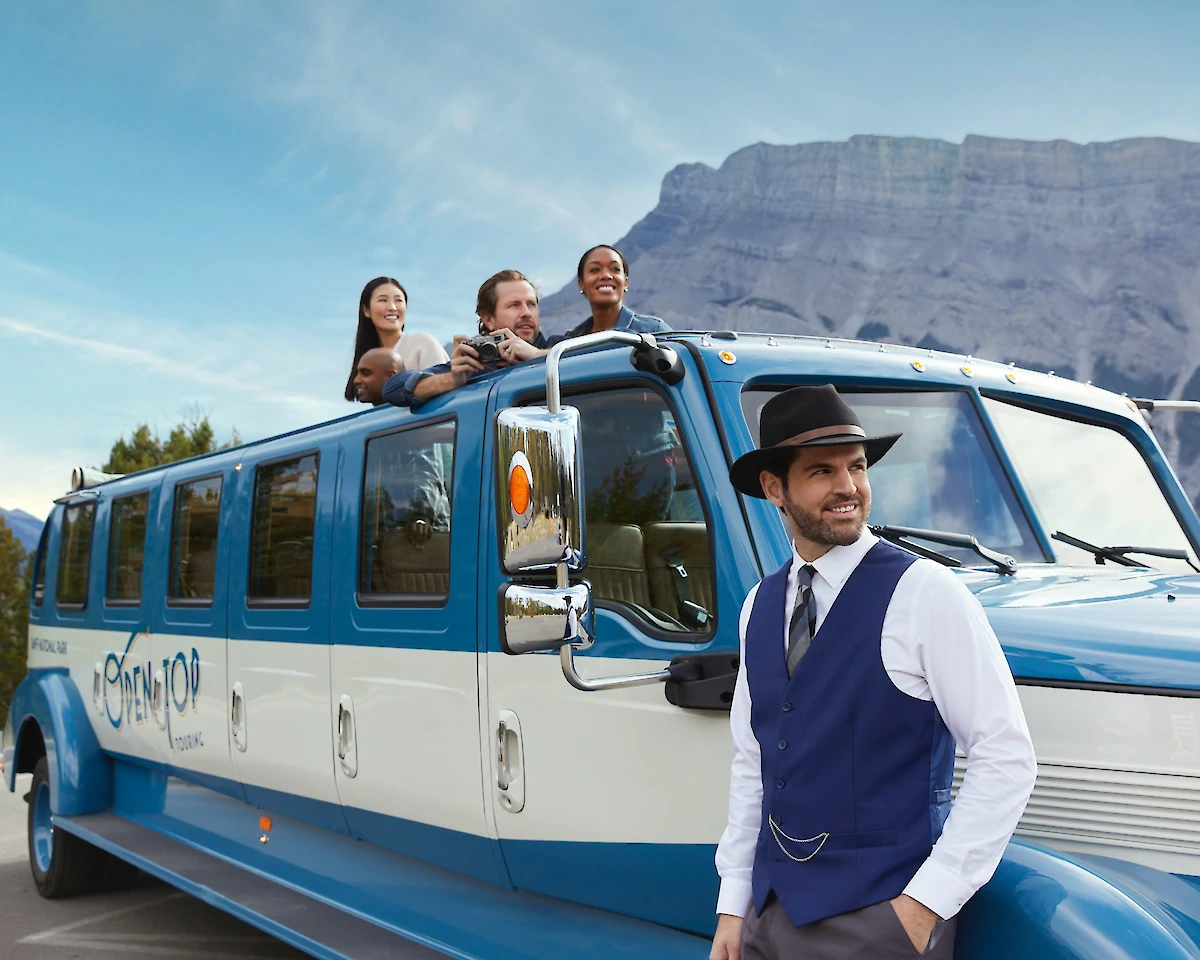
point(538, 484)
point(545, 618)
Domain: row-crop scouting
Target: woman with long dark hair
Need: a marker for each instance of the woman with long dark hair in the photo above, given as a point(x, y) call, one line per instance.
point(603, 277)
point(381, 312)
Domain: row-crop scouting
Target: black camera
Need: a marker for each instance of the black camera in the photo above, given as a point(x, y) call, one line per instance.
point(487, 346)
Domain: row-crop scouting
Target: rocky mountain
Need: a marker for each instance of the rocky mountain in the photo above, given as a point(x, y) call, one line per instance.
point(1084, 259)
point(26, 526)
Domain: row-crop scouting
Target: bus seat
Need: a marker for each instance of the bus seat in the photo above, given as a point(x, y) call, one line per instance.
point(686, 544)
point(401, 567)
point(616, 565)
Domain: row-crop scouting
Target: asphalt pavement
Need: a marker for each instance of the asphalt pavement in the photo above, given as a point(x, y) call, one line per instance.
point(151, 919)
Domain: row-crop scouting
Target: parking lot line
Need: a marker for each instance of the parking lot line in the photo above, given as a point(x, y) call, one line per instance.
point(55, 932)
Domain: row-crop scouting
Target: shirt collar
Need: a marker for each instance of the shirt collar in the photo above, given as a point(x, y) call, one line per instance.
point(838, 563)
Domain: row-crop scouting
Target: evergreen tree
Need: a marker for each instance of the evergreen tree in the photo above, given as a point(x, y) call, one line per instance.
point(15, 575)
point(144, 449)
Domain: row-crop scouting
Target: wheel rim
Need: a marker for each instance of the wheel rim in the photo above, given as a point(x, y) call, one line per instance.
point(43, 829)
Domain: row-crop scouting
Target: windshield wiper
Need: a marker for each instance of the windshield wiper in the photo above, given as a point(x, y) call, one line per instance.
point(1118, 554)
point(903, 536)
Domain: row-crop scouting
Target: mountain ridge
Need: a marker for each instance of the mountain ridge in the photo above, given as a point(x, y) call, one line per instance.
point(27, 527)
point(1081, 258)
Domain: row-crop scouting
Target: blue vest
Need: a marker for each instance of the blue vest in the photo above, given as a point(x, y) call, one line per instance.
point(856, 775)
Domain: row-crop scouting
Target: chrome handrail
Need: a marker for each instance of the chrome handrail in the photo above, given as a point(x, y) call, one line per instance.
point(553, 385)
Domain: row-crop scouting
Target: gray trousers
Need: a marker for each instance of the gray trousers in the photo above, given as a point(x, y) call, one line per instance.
point(872, 933)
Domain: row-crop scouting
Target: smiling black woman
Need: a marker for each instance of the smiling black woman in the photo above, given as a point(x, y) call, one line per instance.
point(603, 277)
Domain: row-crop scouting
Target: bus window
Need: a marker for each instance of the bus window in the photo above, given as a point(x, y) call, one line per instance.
point(281, 535)
point(647, 538)
point(74, 555)
point(127, 549)
point(194, 525)
point(405, 542)
point(39, 567)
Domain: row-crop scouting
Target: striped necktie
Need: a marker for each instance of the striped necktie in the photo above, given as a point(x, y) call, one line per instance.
point(804, 618)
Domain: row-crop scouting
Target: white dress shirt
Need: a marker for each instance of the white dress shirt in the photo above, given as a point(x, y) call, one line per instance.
point(936, 645)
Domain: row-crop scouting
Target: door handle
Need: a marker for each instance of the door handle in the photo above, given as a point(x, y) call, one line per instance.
point(347, 741)
point(501, 769)
point(98, 688)
point(237, 716)
point(510, 762)
point(158, 702)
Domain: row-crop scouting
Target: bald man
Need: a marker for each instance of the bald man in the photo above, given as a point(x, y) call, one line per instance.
point(372, 373)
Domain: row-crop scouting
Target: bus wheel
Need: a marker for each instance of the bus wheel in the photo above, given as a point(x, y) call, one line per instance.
point(62, 864)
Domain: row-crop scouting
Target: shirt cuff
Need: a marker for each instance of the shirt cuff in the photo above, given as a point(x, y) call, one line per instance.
point(735, 897)
point(939, 889)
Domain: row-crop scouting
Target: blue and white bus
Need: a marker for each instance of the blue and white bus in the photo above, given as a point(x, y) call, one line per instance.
point(454, 681)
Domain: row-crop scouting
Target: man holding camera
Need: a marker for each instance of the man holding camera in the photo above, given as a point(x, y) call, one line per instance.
point(509, 333)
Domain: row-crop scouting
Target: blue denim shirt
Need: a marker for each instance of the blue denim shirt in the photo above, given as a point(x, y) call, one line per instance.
point(628, 321)
point(398, 391)
point(399, 388)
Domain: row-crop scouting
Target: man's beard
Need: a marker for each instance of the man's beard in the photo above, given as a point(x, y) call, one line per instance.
point(816, 530)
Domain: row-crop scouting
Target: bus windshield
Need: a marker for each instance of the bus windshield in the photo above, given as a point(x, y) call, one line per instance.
point(941, 475)
point(1090, 482)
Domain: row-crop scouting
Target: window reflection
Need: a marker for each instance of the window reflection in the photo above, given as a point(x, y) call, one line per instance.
point(647, 539)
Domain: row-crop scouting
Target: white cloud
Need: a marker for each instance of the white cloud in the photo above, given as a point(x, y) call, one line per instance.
point(170, 362)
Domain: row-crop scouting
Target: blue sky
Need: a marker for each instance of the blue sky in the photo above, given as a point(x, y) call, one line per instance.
point(192, 195)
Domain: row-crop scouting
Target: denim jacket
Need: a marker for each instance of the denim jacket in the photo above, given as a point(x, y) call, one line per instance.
point(398, 391)
point(628, 321)
point(399, 388)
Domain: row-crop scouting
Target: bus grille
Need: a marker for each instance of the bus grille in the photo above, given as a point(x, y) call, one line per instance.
point(1149, 811)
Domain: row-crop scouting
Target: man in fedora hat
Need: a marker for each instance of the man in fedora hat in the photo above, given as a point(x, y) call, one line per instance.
point(862, 665)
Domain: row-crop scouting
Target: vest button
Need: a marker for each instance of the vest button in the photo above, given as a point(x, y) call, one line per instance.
point(782, 744)
point(779, 784)
point(787, 707)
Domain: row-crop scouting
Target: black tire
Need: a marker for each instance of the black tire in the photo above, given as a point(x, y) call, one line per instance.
point(62, 864)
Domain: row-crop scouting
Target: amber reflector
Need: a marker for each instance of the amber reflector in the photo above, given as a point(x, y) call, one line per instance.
point(519, 490)
point(264, 824)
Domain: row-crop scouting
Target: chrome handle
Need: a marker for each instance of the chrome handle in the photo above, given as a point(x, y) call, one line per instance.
point(567, 657)
point(237, 716)
point(510, 762)
point(346, 746)
point(157, 703)
point(341, 732)
point(502, 780)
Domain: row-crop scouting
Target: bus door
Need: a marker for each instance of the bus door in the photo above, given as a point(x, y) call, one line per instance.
point(191, 545)
point(127, 688)
point(405, 607)
point(617, 798)
point(278, 688)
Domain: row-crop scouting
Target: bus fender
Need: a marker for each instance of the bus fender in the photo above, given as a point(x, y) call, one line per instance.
point(80, 772)
point(1042, 904)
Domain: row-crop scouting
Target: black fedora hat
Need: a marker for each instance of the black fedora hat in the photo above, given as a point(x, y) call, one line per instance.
point(803, 417)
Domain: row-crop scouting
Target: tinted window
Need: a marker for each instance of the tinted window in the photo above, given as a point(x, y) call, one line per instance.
point(647, 544)
point(405, 544)
point(942, 474)
point(194, 526)
point(127, 547)
point(1119, 504)
point(39, 567)
point(281, 539)
point(74, 554)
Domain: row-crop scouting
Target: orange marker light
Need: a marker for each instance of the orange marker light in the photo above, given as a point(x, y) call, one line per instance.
point(519, 489)
point(264, 824)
